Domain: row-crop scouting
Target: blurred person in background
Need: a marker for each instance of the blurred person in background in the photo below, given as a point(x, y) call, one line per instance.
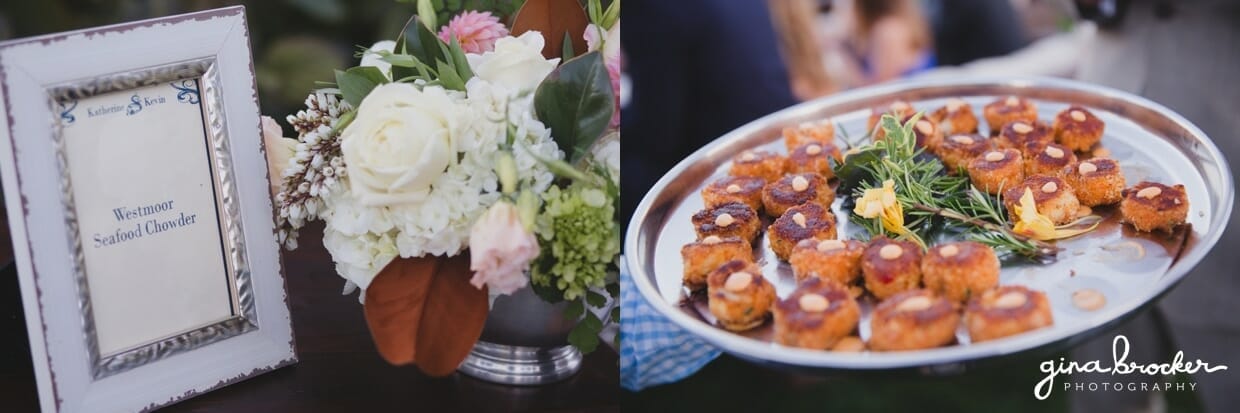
point(802, 46)
point(889, 39)
point(969, 30)
point(698, 69)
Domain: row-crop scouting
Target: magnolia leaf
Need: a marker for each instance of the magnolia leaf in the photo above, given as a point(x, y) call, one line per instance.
point(418, 40)
point(357, 82)
point(576, 102)
point(554, 19)
point(424, 311)
point(454, 314)
point(394, 305)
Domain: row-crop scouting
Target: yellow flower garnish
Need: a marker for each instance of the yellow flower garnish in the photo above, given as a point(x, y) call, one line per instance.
point(1040, 227)
point(882, 203)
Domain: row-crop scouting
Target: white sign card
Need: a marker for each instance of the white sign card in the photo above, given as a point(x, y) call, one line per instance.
point(137, 193)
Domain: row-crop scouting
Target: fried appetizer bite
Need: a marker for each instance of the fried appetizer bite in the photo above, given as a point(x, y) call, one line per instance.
point(900, 109)
point(705, 255)
point(817, 315)
point(731, 219)
point(1053, 160)
point(828, 259)
point(1027, 137)
point(1097, 181)
point(1053, 197)
point(796, 189)
point(769, 166)
point(1007, 110)
point(744, 189)
point(997, 169)
point(813, 158)
point(738, 296)
point(1149, 206)
point(958, 270)
point(913, 320)
point(891, 266)
point(927, 134)
point(1006, 311)
point(798, 223)
point(1078, 128)
point(956, 151)
point(955, 117)
point(819, 131)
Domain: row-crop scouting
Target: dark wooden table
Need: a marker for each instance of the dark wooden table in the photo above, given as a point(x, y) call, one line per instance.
point(338, 370)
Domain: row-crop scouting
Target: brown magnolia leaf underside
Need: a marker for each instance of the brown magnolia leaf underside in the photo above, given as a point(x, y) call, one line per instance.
point(553, 18)
point(452, 318)
point(424, 311)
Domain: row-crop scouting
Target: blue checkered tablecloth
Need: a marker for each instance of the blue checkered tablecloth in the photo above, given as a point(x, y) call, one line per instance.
point(653, 350)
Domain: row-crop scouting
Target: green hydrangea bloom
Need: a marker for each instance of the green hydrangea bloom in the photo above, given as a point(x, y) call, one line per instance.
point(579, 238)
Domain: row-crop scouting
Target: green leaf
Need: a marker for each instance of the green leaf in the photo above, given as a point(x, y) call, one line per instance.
point(357, 82)
point(584, 338)
point(449, 78)
point(613, 289)
point(615, 314)
point(420, 42)
point(595, 300)
point(855, 168)
point(458, 59)
point(568, 53)
point(551, 295)
point(426, 13)
point(576, 102)
point(611, 15)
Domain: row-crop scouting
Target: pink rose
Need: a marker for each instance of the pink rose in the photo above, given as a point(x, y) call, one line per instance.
point(279, 150)
point(501, 249)
point(475, 31)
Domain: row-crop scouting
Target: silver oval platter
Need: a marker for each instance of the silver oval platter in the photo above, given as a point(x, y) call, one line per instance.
point(1131, 269)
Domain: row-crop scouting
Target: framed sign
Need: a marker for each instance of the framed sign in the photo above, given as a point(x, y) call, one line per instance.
point(136, 186)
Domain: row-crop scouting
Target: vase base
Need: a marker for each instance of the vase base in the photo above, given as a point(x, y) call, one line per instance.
point(522, 366)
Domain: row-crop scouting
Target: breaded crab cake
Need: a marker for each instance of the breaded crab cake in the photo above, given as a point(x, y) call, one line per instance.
point(956, 151)
point(744, 189)
point(1007, 110)
point(891, 266)
point(913, 320)
point(957, 270)
point(828, 259)
point(705, 255)
point(1150, 206)
point(955, 117)
point(819, 131)
point(814, 158)
point(801, 222)
point(796, 189)
point(1097, 181)
point(1006, 311)
point(817, 315)
point(1053, 197)
point(1078, 129)
point(900, 109)
point(997, 169)
point(1053, 160)
point(732, 219)
point(738, 296)
point(1028, 138)
point(769, 166)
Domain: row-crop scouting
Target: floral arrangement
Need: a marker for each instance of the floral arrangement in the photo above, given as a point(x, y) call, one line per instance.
point(463, 160)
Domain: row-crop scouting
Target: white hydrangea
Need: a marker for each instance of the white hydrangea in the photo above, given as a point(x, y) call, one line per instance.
point(363, 239)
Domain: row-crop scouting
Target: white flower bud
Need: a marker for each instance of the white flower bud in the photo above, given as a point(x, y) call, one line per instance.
point(328, 172)
point(317, 161)
point(304, 187)
point(294, 212)
point(280, 197)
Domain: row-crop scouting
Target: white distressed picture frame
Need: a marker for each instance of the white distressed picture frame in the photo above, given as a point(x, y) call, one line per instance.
point(34, 73)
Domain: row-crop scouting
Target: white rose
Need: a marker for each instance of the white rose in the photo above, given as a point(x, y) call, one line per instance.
point(516, 63)
point(375, 60)
point(607, 152)
point(359, 258)
point(400, 142)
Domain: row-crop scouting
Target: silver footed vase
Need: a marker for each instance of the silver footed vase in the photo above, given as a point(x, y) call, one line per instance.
point(524, 343)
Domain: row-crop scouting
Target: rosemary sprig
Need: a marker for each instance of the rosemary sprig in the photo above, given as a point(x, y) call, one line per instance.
point(935, 203)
